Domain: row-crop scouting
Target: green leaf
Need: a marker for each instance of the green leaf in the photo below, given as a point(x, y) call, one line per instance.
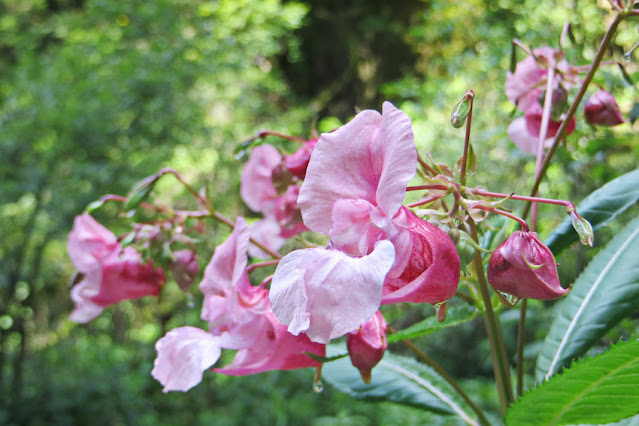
point(455, 316)
point(599, 208)
point(598, 390)
point(400, 380)
point(140, 191)
point(606, 292)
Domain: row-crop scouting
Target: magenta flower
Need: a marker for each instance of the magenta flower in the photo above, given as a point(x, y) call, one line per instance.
point(524, 267)
point(524, 131)
point(297, 162)
point(240, 318)
point(601, 109)
point(366, 345)
point(111, 274)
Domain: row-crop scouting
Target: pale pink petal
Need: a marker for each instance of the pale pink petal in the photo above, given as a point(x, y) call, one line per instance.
point(372, 158)
point(277, 350)
point(228, 263)
point(268, 233)
point(89, 240)
point(82, 295)
point(326, 293)
point(257, 189)
point(527, 77)
point(183, 355)
point(353, 230)
point(518, 133)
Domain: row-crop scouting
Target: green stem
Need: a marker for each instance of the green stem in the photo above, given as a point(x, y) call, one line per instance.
point(521, 331)
point(493, 329)
point(431, 362)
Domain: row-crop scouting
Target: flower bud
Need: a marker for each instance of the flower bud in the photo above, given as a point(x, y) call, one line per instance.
point(366, 345)
point(184, 268)
point(524, 267)
point(297, 162)
point(602, 109)
point(583, 228)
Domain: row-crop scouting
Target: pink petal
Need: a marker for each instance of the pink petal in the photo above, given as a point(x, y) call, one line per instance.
point(228, 263)
point(372, 158)
point(524, 267)
point(183, 355)
point(326, 293)
point(518, 133)
point(267, 232)
point(353, 230)
point(277, 350)
point(82, 295)
point(366, 346)
point(432, 272)
point(89, 240)
point(257, 189)
point(124, 277)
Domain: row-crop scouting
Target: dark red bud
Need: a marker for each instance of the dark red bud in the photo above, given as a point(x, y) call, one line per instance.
point(297, 162)
point(523, 266)
point(366, 346)
point(602, 109)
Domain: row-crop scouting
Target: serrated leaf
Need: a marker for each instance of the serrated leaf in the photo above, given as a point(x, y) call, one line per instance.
point(606, 292)
point(400, 380)
point(598, 208)
point(455, 316)
point(597, 390)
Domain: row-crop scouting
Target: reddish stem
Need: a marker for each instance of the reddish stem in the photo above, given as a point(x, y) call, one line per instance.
point(256, 265)
point(567, 204)
point(424, 187)
point(524, 225)
point(425, 201)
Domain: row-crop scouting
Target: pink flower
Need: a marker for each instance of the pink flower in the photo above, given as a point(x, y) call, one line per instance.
point(366, 346)
point(525, 85)
point(257, 188)
point(111, 274)
point(184, 268)
point(524, 267)
point(359, 173)
point(183, 355)
point(297, 162)
point(524, 131)
point(601, 108)
point(240, 318)
point(326, 293)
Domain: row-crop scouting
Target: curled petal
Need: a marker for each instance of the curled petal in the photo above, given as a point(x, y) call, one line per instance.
point(432, 270)
point(326, 293)
point(228, 263)
point(524, 267)
point(257, 189)
point(372, 158)
point(89, 241)
point(297, 162)
point(82, 295)
point(183, 355)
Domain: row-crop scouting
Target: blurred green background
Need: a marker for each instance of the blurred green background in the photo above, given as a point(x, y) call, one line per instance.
point(96, 95)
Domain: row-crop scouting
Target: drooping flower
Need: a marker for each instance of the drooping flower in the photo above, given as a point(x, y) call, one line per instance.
point(366, 345)
point(240, 318)
point(523, 266)
point(354, 188)
point(601, 109)
point(110, 273)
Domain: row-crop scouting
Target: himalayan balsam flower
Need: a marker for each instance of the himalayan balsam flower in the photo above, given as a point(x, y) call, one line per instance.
point(366, 345)
point(240, 318)
point(111, 273)
point(601, 109)
point(523, 266)
point(354, 188)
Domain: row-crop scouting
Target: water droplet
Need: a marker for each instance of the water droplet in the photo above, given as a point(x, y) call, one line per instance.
point(628, 56)
point(508, 299)
point(318, 386)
